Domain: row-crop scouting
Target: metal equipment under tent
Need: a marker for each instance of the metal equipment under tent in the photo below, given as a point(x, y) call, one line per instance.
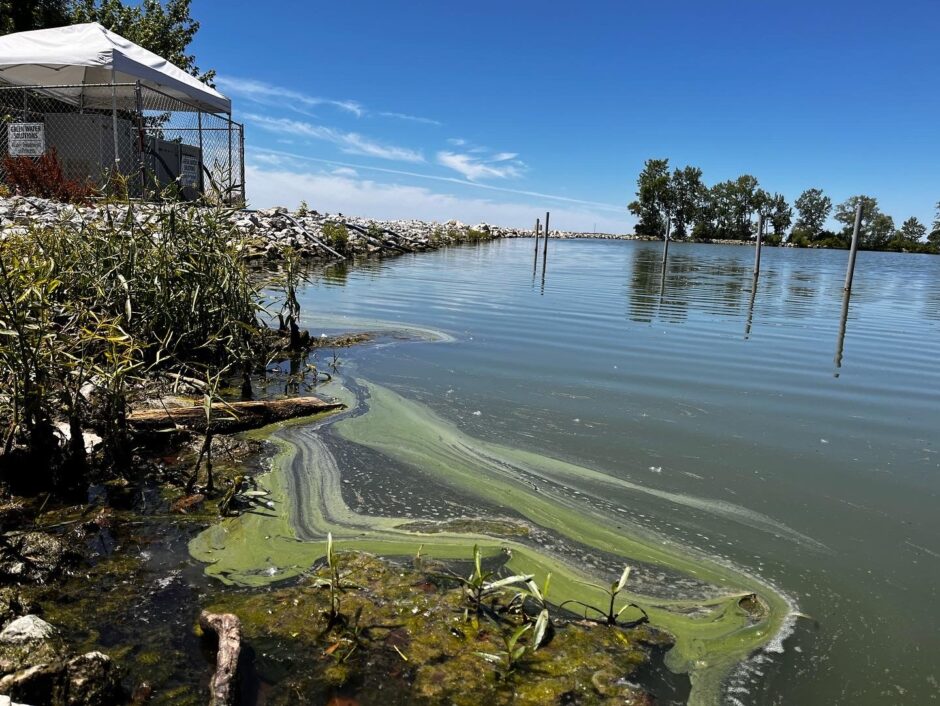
point(103, 104)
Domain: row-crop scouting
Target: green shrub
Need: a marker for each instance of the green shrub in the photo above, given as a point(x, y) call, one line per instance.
point(336, 235)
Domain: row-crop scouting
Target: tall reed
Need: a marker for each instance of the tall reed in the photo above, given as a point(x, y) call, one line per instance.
point(90, 308)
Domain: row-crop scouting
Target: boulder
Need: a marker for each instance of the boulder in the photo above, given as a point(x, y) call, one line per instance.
point(92, 680)
point(29, 628)
point(33, 557)
point(35, 668)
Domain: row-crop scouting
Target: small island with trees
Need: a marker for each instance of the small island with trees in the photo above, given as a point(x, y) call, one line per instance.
point(681, 206)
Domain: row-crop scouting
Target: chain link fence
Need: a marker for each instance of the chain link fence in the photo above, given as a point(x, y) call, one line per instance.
point(159, 145)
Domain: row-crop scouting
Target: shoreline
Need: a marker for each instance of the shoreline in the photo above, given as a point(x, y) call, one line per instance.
point(746, 611)
point(265, 234)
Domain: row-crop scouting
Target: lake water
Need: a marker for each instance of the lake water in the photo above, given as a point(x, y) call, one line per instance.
point(698, 385)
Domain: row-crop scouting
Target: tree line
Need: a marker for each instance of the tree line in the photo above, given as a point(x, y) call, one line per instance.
point(679, 204)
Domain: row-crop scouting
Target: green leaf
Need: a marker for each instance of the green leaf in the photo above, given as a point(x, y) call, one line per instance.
point(517, 633)
point(623, 580)
point(541, 625)
point(494, 659)
point(508, 581)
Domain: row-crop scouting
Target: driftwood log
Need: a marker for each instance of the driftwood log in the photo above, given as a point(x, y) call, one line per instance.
point(229, 416)
point(227, 627)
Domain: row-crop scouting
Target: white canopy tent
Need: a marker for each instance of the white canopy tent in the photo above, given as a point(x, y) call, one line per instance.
point(88, 65)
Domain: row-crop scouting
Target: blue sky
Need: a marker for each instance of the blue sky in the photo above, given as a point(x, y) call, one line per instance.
point(499, 111)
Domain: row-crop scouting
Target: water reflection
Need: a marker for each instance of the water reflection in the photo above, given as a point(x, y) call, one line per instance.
point(337, 273)
point(642, 288)
point(840, 341)
point(750, 308)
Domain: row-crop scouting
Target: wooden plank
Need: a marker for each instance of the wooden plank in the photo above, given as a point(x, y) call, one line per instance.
point(229, 416)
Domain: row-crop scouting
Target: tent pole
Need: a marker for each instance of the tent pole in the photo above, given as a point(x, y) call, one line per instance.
point(114, 122)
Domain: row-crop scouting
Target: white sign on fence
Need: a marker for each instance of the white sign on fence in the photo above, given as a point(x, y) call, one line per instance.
point(189, 171)
point(26, 139)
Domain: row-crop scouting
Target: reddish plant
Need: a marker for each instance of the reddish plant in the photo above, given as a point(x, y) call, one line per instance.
point(43, 177)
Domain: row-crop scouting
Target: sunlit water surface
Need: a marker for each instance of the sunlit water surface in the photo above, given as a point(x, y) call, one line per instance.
point(698, 384)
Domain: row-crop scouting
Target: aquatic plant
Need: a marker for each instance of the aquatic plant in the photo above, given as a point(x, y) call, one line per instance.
point(539, 596)
point(210, 394)
point(478, 586)
point(609, 616)
point(508, 659)
point(336, 585)
point(289, 316)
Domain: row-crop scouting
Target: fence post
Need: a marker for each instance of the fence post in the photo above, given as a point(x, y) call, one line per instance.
point(202, 154)
point(850, 271)
point(114, 123)
point(241, 161)
point(230, 169)
point(138, 97)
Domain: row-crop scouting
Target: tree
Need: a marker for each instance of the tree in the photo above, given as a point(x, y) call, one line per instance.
point(912, 230)
point(908, 238)
point(26, 15)
point(723, 206)
point(654, 202)
point(749, 199)
point(688, 197)
point(814, 208)
point(779, 213)
point(934, 237)
point(876, 227)
point(166, 29)
point(731, 205)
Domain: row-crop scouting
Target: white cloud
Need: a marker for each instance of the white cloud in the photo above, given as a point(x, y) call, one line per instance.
point(410, 118)
point(268, 94)
point(594, 205)
point(500, 166)
point(345, 171)
point(364, 197)
point(349, 142)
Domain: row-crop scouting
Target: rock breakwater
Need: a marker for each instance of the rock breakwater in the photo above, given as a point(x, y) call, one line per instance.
point(264, 234)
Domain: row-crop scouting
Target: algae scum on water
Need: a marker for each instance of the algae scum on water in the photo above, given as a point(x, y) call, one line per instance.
point(390, 477)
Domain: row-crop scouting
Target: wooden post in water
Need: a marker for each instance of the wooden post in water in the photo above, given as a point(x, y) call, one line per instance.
point(760, 235)
point(545, 245)
point(850, 272)
point(666, 241)
point(535, 261)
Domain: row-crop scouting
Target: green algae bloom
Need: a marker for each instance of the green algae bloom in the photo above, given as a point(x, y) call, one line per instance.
point(717, 613)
